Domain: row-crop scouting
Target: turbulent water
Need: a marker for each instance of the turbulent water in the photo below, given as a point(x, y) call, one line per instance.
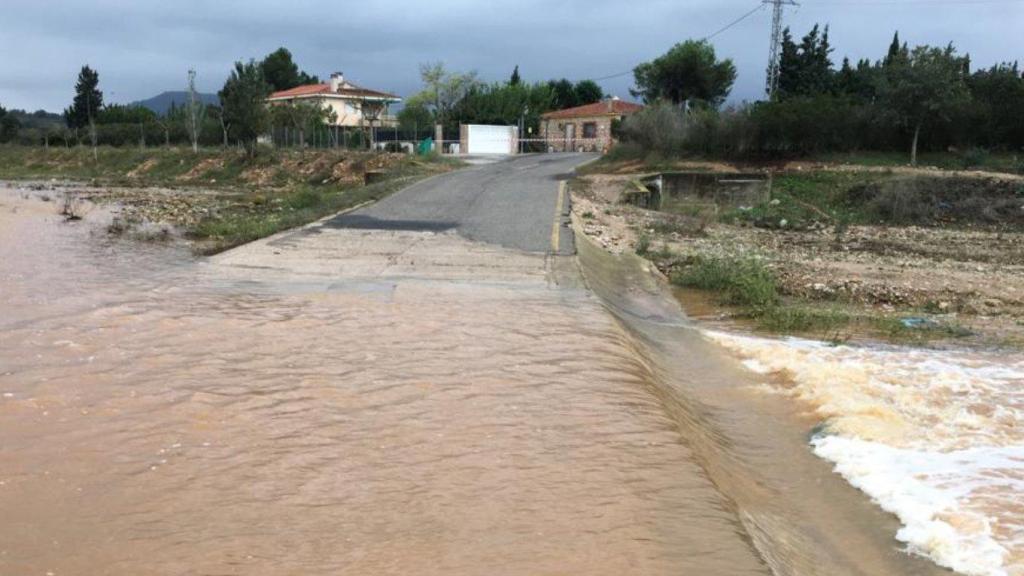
point(340, 401)
point(418, 404)
point(934, 437)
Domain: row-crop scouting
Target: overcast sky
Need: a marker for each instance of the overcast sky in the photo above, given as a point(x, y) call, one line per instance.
point(144, 47)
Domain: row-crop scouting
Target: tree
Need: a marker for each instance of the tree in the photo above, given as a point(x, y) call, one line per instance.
point(563, 94)
point(217, 113)
point(688, 71)
point(195, 112)
point(806, 70)
point(88, 100)
point(86, 105)
point(928, 86)
point(122, 114)
point(588, 92)
point(998, 99)
point(282, 73)
point(243, 101)
point(515, 79)
point(442, 90)
point(300, 115)
point(415, 117)
point(898, 53)
point(9, 126)
point(505, 104)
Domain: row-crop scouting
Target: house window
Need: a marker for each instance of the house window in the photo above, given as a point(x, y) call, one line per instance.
point(590, 129)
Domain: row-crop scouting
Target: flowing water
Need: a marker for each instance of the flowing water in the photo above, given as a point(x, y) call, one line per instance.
point(340, 401)
point(354, 402)
point(934, 437)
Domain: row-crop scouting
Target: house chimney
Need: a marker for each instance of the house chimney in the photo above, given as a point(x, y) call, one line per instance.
point(337, 81)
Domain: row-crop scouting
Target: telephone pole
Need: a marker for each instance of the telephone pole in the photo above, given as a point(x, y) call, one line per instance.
point(772, 83)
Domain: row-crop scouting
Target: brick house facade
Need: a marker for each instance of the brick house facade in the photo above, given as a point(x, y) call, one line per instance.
point(584, 128)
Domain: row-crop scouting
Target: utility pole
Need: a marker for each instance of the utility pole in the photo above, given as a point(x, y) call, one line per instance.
point(772, 82)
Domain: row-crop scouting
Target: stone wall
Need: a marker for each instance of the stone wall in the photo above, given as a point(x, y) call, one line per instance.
point(555, 131)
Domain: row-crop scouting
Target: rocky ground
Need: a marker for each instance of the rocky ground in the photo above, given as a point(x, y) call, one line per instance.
point(175, 209)
point(972, 277)
point(219, 200)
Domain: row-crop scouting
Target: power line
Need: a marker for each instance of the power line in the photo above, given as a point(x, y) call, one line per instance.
point(733, 23)
point(708, 37)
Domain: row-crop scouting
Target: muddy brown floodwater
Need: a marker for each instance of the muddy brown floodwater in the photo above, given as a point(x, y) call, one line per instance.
point(353, 401)
point(332, 401)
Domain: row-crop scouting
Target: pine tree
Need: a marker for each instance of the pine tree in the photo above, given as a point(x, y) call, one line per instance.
point(88, 100)
point(806, 70)
point(243, 100)
point(515, 80)
point(894, 49)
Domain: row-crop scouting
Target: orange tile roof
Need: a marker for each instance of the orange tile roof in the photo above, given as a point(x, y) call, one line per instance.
point(602, 108)
point(325, 89)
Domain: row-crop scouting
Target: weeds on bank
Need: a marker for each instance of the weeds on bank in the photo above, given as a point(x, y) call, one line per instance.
point(749, 285)
point(743, 282)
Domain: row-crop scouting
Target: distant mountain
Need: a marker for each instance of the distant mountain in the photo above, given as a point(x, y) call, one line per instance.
point(162, 103)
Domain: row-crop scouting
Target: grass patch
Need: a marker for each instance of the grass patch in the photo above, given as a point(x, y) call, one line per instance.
point(745, 282)
point(748, 286)
point(897, 331)
point(803, 319)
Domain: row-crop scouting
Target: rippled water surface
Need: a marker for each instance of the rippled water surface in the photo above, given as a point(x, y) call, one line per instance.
point(161, 415)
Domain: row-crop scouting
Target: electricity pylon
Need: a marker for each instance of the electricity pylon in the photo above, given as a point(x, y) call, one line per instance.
point(772, 83)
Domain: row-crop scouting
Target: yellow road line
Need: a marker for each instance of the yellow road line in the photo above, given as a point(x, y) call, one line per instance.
point(556, 234)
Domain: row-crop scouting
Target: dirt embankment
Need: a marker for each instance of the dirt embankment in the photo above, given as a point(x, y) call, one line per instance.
point(217, 198)
point(970, 274)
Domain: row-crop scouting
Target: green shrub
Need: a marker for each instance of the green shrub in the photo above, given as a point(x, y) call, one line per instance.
point(643, 245)
point(740, 281)
point(974, 158)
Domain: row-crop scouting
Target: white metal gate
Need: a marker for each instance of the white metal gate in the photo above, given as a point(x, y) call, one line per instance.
point(483, 139)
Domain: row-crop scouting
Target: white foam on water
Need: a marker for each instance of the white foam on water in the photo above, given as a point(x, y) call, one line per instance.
point(934, 437)
point(951, 504)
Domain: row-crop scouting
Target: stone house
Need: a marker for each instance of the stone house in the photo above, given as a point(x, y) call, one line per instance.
point(353, 105)
point(584, 128)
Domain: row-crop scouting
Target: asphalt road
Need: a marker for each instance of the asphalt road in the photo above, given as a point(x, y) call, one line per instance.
point(511, 203)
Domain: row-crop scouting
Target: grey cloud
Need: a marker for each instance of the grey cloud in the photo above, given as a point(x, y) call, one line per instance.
point(143, 48)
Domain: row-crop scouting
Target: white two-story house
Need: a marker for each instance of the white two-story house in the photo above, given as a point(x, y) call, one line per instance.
point(353, 105)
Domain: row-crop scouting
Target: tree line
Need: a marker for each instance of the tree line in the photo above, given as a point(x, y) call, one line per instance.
point(922, 98)
point(242, 116)
point(450, 98)
point(238, 119)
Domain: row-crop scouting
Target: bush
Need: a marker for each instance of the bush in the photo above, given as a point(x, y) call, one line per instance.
point(931, 201)
point(779, 129)
point(974, 158)
point(740, 281)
